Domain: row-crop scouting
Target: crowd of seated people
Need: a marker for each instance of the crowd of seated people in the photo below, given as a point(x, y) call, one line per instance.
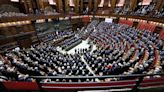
point(65, 24)
point(42, 60)
point(124, 50)
point(51, 12)
point(57, 35)
point(70, 43)
point(18, 14)
point(117, 10)
point(12, 14)
point(121, 10)
point(144, 10)
point(89, 29)
point(159, 14)
point(121, 50)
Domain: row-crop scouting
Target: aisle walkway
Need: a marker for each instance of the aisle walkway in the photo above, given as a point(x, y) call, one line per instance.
point(93, 48)
point(89, 68)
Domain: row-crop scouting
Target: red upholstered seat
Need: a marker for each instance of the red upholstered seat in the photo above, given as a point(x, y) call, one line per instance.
point(146, 26)
point(85, 19)
point(126, 22)
point(13, 85)
point(161, 34)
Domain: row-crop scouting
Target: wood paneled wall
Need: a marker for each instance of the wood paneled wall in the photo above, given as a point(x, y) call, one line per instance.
point(90, 5)
point(66, 2)
point(113, 4)
point(81, 5)
point(13, 30)
point(127, 3)
point(95, 5)
point(133, 4)
point(77, 4)
point(5, 2)
point(59, 6)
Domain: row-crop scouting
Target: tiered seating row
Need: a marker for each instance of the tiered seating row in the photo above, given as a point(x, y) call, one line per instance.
point(146, 26)
point(126, 22)
point(137, 55)
point(70, 43)
point(161, 34)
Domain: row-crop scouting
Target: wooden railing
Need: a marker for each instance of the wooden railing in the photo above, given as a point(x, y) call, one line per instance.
point(134, 84)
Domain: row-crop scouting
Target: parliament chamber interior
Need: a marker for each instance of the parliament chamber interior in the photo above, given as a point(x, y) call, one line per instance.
point(81, 45)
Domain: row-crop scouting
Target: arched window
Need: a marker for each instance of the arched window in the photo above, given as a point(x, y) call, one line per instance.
point(109, 4)
point(101, 3)
point(52, 2)
point(120, 3)
point(146, 2)
point(14, 0)
point(71, 3)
